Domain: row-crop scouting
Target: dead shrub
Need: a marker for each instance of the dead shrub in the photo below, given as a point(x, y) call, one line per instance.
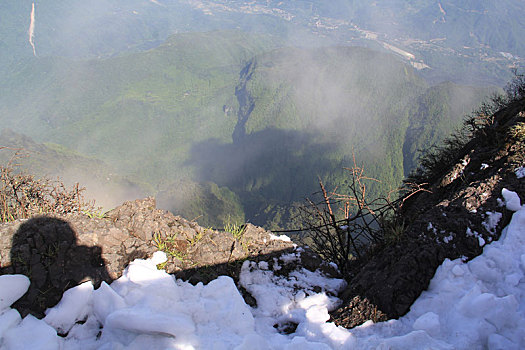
point(342, 227)
point(23, 195)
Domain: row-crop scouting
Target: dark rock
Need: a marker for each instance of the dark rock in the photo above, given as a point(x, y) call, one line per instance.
point(287, 328)
point(356, 312)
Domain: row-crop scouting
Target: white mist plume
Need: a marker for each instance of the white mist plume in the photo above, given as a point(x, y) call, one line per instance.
point(31, 31)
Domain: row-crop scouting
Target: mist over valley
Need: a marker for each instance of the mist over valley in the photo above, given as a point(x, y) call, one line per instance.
point(229, 111)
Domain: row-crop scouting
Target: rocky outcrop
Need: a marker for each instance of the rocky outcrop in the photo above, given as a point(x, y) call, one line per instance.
point(461, 213)
point(60, 252)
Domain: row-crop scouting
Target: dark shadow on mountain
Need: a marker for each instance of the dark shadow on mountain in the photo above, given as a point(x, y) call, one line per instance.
point(45, 250)
point(271, 165)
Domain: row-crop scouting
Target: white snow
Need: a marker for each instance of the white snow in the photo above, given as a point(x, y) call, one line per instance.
point(520, 172)
point(428, 322)
point(481, 241)
point(12, 287)
point(491, 222)
point(512, 200)
point(479, 304)
point(31, 333)
point(448, 238)
point(284, 238)
point(73, 307)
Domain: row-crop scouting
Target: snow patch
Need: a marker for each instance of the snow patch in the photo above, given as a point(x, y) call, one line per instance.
point(283, 238)
point(468, 305)
point(74, 306)
point(12, 287)
point(471, 233)
point(448, 238)
point(491, 222)
point(520, 172)
point(512, 200)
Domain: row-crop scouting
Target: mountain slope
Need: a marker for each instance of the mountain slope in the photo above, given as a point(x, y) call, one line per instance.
point(304, 113)
point(157, 100)
point(435, 114)
point(462, 210)
point(282, 294)
point(227, 109)
point(53, 161)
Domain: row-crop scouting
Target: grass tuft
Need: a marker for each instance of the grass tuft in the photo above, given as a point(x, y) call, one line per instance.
point(169, 245)
point(235, 229)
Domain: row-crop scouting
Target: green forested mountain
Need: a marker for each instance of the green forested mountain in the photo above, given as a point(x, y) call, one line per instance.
point(128, 108)
point(228, 126)
point(435, 113)
point(302, 114)
point(140, 112)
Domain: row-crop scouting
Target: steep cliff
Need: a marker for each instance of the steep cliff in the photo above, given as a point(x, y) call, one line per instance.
point(461, 213)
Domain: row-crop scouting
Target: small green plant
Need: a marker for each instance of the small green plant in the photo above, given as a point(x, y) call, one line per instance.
point(159, 242)
point(197, 237)
point(169, 246)
point(51, 250)
point(236, 230)
point(97, 213)
point(162, 266)
point(517, 132)
point(393, 229)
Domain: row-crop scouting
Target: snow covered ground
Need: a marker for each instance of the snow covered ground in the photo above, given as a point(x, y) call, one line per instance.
point(475, 305)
